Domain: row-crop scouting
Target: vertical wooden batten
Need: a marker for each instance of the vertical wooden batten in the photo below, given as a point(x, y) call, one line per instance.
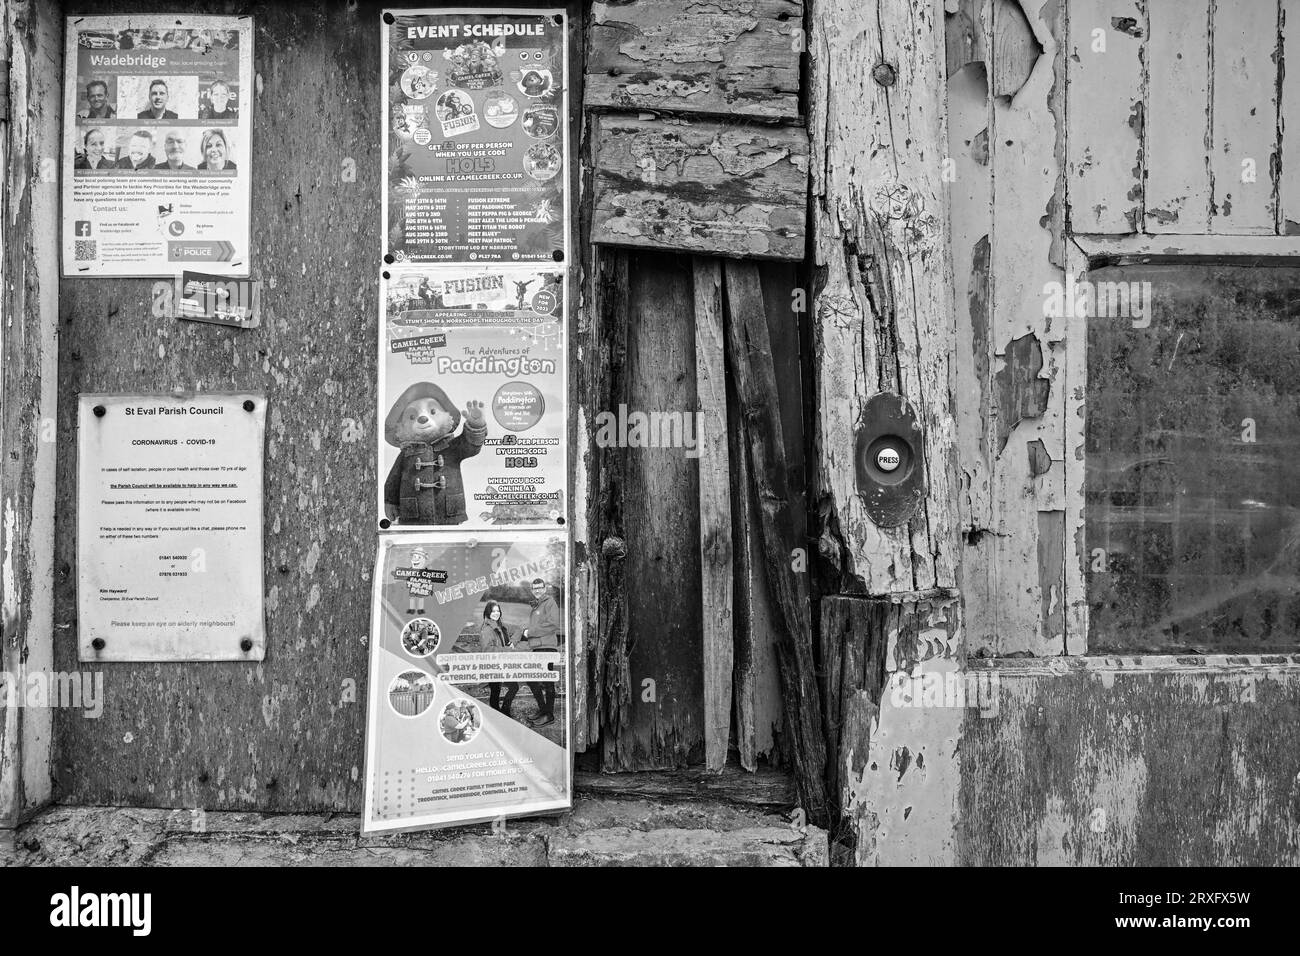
point(883, 321)
point(715, 509)
point(31, 37)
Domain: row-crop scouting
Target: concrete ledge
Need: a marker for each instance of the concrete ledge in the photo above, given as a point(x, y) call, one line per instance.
point(598, 832)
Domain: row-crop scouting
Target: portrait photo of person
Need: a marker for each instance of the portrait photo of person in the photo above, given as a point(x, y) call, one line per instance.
point(97, 104)
point(157, 108)
point(218, 105)
point(215, 151)
point(94, 155)
point(174, 152)
point(139, 152)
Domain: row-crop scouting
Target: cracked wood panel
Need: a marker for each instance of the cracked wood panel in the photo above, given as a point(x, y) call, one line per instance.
point(283, 734)
point(1244, 149)
point(1026, 385)
point(883, 309)
point(1089, 764)
point(1178, 112)
point(700, 186)
point(1107, 38)
point(732, 57)
point(1289, 113)
point(31, 38)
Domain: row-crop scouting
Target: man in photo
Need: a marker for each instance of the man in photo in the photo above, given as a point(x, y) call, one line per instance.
point(542, 637)
point(139, 152)
point(174, 151)
point(97, 99)
point(218, 106)
point(157, 103)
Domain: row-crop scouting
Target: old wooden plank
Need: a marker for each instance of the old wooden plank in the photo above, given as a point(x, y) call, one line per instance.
point(1178, 117)
point(757, 620)
point(1015, 48)
point(1087, 766)
point(715, 509)
point(1026, 391)
point(970, 118)
point(750, 352)
point(1126, 250)
point(700, 186)
point(661, 515)
point(605, 383)
point(1289, 114)
point(1107, 38)
point(31, 37)
point(765, 788)
point(883, 315)
point(964, 35)
point(1244, 147)
point(692, 56)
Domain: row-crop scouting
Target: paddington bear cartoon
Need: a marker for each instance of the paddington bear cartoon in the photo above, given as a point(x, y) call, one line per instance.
point(425, 486)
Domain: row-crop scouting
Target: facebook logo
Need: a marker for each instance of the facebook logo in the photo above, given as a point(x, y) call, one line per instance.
point(83, 227)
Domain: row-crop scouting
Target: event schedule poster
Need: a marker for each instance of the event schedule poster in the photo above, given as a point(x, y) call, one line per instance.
point(169, 527)
point(476, 135)
point(472, 389)
point(468, 711)
point(156, 145)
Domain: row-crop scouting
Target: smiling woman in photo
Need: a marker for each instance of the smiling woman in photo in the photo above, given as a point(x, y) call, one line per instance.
point(215, 151)
point(94, 157)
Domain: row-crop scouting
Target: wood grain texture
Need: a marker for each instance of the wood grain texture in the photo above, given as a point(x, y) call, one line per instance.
point(754, 373)
point(732, 57)
point(883, 311)
point(1085, 763)
point(31, 37)
point(1178, 117)
point(661, 514)
point(1107, 38)
point(1289, 113)
point(700, 186)
point(1244, 150)
point(715, 509)
point(288, 733)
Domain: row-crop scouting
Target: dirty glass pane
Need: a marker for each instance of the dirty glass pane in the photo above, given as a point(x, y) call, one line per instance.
point(1192, 480)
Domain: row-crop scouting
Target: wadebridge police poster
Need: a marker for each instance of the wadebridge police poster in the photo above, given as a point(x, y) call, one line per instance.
point(468, 697)
point(156, 145)
point(472, 388)
point(475, 135)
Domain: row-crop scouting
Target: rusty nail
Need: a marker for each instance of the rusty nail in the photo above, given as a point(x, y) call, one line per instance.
point(884, 74)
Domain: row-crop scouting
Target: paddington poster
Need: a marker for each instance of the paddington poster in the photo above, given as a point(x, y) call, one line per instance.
point(468, 712)
point(475, 135)
point(156, 145)
point(472, 389)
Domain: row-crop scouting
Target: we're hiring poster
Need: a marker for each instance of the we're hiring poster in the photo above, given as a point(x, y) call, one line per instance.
point(475, 135)
point(468, 712)
point(156, 145)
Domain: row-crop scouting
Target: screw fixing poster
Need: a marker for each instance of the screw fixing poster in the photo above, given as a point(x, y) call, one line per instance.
point(156, 145)
point(468, 698)
point(476, 136)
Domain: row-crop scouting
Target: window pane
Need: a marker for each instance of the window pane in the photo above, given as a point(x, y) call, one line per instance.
point(1193, 434)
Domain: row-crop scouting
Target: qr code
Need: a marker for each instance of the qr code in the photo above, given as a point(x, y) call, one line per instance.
point(86, 250)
